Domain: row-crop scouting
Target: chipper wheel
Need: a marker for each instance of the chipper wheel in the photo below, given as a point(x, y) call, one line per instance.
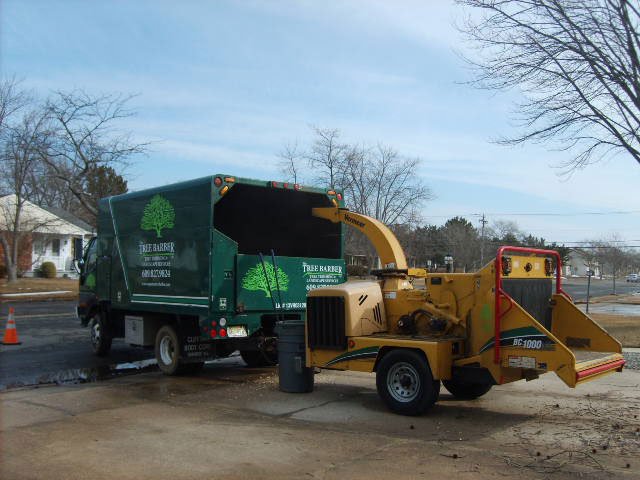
point(466, 391)
point(405, 383)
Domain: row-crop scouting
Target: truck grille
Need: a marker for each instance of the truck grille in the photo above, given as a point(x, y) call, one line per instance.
point(325, 323)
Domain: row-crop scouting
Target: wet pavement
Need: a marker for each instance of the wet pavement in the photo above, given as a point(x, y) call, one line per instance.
point(577, 287)
point(55, 348)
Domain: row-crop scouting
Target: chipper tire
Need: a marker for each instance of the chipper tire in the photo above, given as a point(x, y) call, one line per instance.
point(100, 335)
point(466, 391)
point(168, 352)
point(405, 382)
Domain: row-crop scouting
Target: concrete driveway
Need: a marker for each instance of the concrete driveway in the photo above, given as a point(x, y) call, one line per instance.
point(233, 423)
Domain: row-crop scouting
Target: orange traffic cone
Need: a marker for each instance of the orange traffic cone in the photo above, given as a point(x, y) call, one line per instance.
point(10, 333)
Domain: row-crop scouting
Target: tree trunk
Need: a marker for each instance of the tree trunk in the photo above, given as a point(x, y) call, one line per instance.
point(614, 281)
point(12, 270)
point(12, 273)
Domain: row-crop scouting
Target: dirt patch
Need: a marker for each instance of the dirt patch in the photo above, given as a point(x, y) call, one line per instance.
point(35, 285)
point(626, 329)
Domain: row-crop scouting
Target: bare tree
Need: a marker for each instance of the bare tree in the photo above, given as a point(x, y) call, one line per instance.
point(327, 158)
point(19, 157)
point(610, 256)
point(83, 137)
point(377, 181)
point(12, 100)
point(291, 162)
point(577, 64)
point(505, 232)
point(384, 185)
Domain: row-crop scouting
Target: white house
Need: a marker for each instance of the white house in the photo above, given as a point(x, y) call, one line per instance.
point(52, 235)
point(579, 264)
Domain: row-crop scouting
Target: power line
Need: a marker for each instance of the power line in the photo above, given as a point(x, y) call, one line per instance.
point(555, 214)
point(538, 214)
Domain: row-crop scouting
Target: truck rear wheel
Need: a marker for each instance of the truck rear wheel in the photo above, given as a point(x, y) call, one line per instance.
point(259, 358)
point(168, 351)
point(466, 391)
point(405, 383)
point(100, 335)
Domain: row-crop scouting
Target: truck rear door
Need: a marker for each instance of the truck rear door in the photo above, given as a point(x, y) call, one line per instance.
point(260, 285)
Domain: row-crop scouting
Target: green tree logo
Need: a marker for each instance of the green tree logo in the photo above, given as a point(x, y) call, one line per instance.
point(158, 214)
point(255, 279)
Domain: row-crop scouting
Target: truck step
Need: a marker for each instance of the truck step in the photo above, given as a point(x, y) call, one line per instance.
point(594, 364)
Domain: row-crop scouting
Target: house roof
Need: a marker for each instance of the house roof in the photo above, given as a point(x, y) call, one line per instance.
point(69, 217)
point(40, 220)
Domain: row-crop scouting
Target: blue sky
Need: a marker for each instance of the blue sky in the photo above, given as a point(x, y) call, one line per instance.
point(222, 86)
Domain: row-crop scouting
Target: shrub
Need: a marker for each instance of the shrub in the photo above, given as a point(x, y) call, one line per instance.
point(357, 270)
point(48, 270)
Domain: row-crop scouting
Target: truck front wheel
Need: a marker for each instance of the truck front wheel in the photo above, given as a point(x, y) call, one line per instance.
point(100, 335)
point(405, 383)
point(168, 350)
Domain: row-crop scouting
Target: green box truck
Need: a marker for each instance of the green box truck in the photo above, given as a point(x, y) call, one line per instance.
point(202, 268)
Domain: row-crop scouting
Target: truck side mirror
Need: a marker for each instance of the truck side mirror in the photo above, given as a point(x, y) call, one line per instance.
point(78, 264)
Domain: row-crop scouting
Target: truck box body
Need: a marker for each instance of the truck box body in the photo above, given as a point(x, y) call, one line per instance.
point(205, 249)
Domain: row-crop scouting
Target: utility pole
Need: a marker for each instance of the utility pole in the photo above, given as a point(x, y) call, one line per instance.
point(483, 221)
point(589, 275)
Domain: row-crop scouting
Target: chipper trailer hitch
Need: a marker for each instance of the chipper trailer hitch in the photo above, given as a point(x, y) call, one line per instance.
point(470, 331)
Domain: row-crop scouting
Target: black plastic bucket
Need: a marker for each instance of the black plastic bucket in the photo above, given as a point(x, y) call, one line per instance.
point(294, 376)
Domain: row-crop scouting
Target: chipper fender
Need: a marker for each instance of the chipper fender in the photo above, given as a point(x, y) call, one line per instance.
point(364, 354)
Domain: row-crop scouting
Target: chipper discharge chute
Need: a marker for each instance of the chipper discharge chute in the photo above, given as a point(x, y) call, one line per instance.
point(506, 322)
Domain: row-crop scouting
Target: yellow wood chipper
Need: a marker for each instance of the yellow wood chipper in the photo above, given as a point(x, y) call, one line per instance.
point(506, 322)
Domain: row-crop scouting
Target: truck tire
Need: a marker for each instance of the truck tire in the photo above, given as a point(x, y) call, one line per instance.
point(405, 383)
point(192, 368)
point(466, 391)
point(168, 351)
point(259, 358)
point(100, 335)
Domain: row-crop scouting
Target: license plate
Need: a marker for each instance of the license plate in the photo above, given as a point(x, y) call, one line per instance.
point(236, 331)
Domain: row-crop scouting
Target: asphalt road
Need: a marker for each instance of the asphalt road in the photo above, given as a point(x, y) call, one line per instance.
point(577, 287)
point(54, 346)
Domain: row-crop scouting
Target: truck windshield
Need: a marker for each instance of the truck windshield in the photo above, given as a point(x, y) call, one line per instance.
point(90, 256)
point(262, 219)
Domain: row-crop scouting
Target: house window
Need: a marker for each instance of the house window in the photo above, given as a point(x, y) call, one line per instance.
point(55, 247)
point(40, 247)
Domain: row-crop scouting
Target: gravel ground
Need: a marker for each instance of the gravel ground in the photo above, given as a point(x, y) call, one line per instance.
point(633, 360)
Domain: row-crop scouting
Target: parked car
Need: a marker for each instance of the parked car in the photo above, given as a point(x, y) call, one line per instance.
point(633, 277)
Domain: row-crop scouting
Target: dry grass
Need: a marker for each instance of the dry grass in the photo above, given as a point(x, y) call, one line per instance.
point(625, 329)
point(34, 285)
point(626, 299)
